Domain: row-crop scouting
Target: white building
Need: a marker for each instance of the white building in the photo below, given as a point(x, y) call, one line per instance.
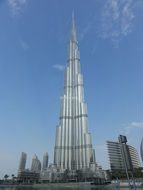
point(45, 161)
point(22, 162)
point(36, 164)
point(116, 158)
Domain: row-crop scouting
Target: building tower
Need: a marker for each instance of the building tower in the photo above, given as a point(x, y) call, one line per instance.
point(141, 150)
point(22, 161)
point(45, 161)
point(73, 146)
point(36, 164)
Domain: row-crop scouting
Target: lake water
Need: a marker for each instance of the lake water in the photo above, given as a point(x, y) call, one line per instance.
point(67, 187)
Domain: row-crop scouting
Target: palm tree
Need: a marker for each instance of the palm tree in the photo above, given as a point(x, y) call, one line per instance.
point(6, 177)
point(12, 176)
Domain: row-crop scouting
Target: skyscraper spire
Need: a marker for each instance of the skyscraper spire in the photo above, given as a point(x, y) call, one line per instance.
point(73, 146)
point(73, 32)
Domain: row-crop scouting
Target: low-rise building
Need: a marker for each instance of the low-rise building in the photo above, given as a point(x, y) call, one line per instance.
point(117, 162)
point(27, 177)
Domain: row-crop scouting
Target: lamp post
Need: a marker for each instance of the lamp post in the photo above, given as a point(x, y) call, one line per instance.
point(123, 140)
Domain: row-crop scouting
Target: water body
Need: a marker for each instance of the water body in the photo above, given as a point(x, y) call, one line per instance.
point(68, 187)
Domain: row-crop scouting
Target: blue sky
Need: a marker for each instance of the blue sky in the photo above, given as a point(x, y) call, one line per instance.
point(34, 38)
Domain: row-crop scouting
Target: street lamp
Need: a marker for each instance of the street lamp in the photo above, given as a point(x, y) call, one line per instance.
point(123, 140)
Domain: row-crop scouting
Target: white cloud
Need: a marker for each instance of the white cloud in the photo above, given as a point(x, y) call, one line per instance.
point(85, 30)
point(117, 19)
point(58, 67)
point(128, 128)
point(137, 125)
point(16, 5)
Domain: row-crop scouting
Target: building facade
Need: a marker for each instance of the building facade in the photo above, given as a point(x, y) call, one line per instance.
point(22, 162)
point(114, 153)
point(141, 150)
point(73, 146)
point(28, 177)
point(117, 162)
point(36, 164)
point(45, 161)
point(134, 157)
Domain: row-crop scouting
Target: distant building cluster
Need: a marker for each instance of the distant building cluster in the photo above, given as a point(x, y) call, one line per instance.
point(50, 173)
point(33, 174)
point(122, 156)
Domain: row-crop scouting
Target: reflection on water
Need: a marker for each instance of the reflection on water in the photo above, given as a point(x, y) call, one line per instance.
point(67, 187)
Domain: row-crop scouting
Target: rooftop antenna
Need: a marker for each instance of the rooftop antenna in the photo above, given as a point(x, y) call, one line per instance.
point(73, 27)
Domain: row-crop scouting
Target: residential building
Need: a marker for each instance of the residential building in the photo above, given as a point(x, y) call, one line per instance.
point(27, 177)
point(36, 164)
point(45, 161)
point(117, 161)
point(22, 162)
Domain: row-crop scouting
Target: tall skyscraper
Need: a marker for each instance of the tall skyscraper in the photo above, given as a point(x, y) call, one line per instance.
point(45, 161)
point(73, 146)
point(36, 164)
point(141, 150)
point(116, 158)
point(22, 163)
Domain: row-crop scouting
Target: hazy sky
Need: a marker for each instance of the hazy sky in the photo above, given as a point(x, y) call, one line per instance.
point(34, 36)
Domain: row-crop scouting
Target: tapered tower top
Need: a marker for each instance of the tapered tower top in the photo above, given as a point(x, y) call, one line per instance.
point(73, 31)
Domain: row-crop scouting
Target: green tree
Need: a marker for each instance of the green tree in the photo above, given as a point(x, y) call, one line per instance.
point(6, 177)
point(13, 178)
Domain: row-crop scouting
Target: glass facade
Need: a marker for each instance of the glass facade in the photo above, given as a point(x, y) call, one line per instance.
point(116, 159)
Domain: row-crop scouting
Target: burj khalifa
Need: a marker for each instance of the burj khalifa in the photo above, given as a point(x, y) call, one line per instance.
point(73, 144)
